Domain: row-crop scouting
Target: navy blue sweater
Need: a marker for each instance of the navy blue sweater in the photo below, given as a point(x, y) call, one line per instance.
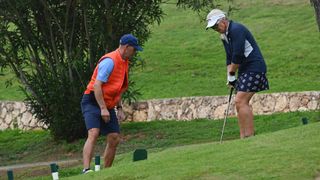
point(241, 48)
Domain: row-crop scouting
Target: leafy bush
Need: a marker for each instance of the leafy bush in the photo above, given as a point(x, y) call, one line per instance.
point(53, 47)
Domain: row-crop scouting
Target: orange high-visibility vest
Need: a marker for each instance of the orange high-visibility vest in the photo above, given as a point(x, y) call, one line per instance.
point(117, 82)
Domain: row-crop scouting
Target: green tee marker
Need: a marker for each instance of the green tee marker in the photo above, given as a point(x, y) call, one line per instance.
point(140, 154)
point(10, 174)
point(97, 163)
point(304, 120)
point(54, 171)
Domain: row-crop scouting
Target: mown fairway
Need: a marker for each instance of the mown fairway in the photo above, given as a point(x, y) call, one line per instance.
point(157, 136)
point(286, 154)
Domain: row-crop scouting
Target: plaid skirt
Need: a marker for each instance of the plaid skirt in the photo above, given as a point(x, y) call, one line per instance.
point(252, 82)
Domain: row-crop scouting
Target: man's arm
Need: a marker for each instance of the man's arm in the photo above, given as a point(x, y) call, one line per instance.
point(104, 70)
point(97, 87)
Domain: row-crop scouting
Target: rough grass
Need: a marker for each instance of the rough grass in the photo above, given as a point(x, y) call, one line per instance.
point(10, 86)
point(183, 59)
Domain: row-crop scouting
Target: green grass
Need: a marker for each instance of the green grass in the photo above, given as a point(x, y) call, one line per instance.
point(156, 136)
point(35, 146)
point(183, 59)
point(286, 154)
point(30, 146)
point(10, 91)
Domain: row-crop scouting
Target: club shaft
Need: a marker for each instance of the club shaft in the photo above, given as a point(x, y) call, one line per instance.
point(225, 116)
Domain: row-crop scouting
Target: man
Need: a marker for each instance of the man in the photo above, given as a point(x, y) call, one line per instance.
point(242, 55)
point(103, 93)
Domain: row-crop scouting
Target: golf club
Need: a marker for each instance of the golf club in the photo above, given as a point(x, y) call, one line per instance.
point(226, 114)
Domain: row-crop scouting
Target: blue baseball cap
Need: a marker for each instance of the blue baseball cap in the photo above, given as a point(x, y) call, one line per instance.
point(131, 41)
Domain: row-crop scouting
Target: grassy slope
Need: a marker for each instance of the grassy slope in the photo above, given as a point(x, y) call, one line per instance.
point(38, 146)
point(287, 154)
point(182, 59)
point(185, 60)
point(12, 92)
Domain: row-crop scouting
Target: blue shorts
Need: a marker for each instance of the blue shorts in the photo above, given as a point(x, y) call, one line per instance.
point(92, 116)
point(252, 82)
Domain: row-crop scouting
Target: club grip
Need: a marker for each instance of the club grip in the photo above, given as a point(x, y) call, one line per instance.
point(231, 91)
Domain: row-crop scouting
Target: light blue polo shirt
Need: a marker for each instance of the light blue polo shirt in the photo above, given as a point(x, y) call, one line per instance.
point(105, 68)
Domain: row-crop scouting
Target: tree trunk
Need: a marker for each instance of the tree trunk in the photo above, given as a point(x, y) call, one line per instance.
point(316, 5)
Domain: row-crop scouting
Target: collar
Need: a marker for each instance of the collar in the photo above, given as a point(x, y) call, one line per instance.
point(228, 27)
point(224, 36)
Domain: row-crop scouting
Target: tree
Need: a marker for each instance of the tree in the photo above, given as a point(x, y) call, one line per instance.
point(316, 5)
point(53, 46)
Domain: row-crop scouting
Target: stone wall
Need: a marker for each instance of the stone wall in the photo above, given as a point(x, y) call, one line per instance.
point(213, 107)
point(15, 114)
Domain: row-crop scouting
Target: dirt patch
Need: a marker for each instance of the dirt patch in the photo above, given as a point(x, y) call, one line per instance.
point(139, 136)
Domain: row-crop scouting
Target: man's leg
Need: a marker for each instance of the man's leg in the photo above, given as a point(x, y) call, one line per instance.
point(112, 141)
point(245, 115)
point(88, 147)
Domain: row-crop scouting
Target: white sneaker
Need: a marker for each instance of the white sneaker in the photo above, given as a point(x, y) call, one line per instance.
point(85, 171)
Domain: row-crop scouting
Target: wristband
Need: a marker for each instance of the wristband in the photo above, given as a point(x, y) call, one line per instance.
point(231, 78)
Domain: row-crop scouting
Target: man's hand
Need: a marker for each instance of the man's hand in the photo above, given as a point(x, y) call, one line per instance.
point(120, 114)
point(105, 115)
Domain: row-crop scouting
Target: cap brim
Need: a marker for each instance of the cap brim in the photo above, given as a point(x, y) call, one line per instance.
point(138, 48)
point(211, 22)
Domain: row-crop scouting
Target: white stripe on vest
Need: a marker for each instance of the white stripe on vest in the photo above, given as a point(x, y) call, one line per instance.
point(247, 48)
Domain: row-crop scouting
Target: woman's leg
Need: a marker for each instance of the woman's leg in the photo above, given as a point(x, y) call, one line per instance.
point(245, 115)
